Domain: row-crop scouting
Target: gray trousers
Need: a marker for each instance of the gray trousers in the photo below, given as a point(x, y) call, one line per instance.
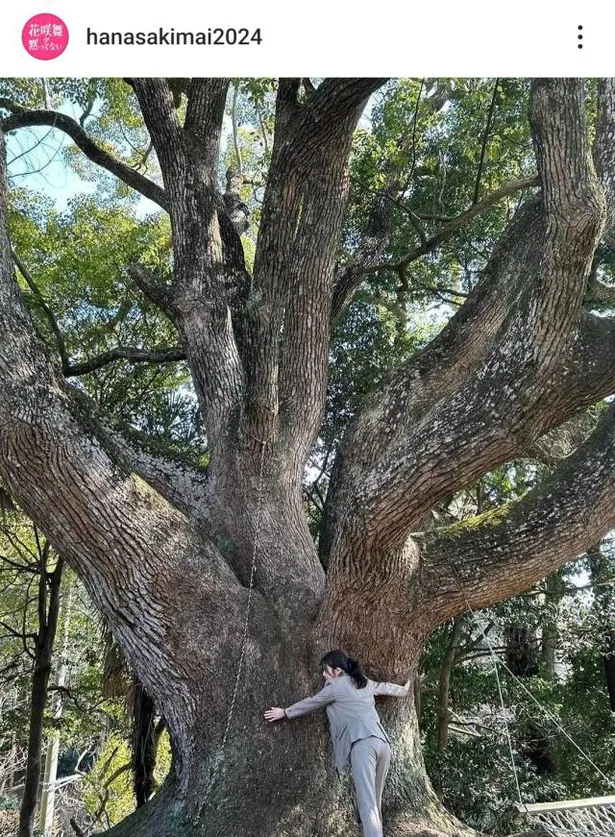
point(370, 759)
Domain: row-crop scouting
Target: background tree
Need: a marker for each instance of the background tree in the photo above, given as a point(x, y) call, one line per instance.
point(87, 707)
point(41, 574)
point(167, 550)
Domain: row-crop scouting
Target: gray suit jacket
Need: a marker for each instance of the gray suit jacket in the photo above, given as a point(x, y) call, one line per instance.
point(351, 712)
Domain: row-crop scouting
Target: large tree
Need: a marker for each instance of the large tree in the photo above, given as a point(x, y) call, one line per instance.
point(176, 557)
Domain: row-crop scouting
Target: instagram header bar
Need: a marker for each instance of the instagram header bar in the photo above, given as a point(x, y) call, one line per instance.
point(314, 38)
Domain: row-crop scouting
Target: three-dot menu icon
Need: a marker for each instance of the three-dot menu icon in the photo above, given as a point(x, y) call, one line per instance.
point(580, 36)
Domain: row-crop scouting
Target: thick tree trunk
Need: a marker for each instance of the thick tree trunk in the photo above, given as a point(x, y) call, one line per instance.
point(276, 780)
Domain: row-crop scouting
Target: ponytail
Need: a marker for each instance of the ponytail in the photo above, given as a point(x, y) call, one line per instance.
point(355, 670)
point(352, 667)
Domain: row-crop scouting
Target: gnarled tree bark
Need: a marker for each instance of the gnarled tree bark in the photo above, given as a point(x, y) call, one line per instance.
point(167, 554)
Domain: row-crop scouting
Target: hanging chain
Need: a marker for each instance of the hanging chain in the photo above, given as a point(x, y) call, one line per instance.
point(217, 759)
point(244, 639)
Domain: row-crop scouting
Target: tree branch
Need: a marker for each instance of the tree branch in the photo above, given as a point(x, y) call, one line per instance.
point(206, 101)
point(483, 147)
point(197, 300)
point(502, 395)
point(294, 261)
point(604, 149)
point(179, 482)
point(238, 158)
point(503, 552)
point(495, 410)
point(155, 290)
point(366, 257)
point(575, 211)
point(47, 311)
point(286, 107)
point(365, 260)
point(30, 118)
point(316, 123)
point(158, 109)
point(125, 541)
point(28, 568)
point(561, 441)
point(130, 353)
point(233, 218)
point(391, 417)
point(17, 634)
point(472, 432)
point(453, 225)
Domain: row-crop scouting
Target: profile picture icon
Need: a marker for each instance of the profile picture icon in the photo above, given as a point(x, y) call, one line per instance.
point(45, 36)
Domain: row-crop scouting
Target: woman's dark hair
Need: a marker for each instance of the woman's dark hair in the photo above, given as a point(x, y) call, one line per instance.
point(337, 659)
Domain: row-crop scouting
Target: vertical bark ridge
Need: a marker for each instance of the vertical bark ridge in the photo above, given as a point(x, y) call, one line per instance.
point(604, 150)
point(294, 260)
point(497, 408)
point(188, 157)
point(575, 209)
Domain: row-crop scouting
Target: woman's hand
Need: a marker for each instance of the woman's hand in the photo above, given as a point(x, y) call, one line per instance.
point(276, 713)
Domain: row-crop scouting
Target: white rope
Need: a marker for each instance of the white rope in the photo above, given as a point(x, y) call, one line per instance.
point(542, 708)
point(552, 718)
point(494, 659)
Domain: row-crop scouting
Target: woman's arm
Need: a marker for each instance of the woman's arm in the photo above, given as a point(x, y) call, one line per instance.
point(392, 689)
point(302, 707)
point(276, 713)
